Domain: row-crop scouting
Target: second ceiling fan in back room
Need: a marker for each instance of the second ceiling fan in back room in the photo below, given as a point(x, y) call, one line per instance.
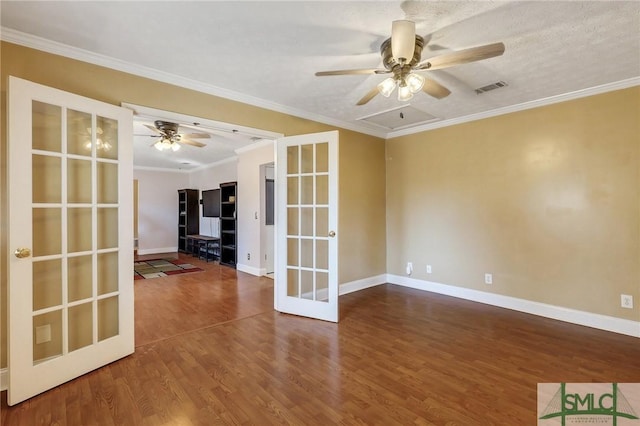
point(170, 138)
point(402, 57)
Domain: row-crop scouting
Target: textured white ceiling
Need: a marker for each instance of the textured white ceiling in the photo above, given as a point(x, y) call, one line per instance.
point(221, 145)
point(267, 52)
point(188, 157)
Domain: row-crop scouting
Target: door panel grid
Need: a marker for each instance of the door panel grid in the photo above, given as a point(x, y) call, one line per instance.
point(70, 179)
point(306, 277)
point(69, 173)
point(307, 193)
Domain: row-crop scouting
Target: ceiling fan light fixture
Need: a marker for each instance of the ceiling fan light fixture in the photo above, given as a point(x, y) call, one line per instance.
point(175, 146)
point(386, 87)
point(163, 144)
point(402, 55)
point(403, 39)
point(415, 82)
point(404, 93)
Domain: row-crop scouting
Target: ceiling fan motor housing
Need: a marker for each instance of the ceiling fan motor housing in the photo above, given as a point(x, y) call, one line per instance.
point(166, 127)
point(169, 135)
point(387, 56)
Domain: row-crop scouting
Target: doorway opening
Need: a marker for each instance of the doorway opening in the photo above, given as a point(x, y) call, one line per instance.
point(267, 232)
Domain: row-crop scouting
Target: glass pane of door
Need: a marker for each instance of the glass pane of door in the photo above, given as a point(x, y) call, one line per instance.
point(46, 126)
point(47, 284)
point(79, 133)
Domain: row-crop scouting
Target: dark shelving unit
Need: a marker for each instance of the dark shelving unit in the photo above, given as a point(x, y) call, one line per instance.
point(188, 216)
point(228, 223)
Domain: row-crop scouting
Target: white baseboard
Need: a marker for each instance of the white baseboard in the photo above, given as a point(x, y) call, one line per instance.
point(602, 322)
point(357, 285)
point(158, 250)
point(251, 269)
point(349, 287)
point(4, 379)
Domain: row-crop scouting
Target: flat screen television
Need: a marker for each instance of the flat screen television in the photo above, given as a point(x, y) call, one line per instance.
point(211, 203)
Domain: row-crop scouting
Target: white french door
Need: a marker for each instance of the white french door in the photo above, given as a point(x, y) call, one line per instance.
point(307, 221)
point(70, 235)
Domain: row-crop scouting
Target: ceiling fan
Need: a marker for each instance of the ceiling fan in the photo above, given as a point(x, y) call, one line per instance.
point(171, 139)
point(401, 57)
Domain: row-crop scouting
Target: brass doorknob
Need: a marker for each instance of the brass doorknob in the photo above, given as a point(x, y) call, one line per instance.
point(22, 252)
point(332, 234)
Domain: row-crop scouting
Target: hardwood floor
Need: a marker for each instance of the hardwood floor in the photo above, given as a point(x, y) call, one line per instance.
point(211, 350)
point(169, 306)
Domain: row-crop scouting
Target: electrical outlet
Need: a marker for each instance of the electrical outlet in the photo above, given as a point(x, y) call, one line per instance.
point(626, 301)
point(428, 269)
point(488, 278)
point(409, 268)
point(248, 256)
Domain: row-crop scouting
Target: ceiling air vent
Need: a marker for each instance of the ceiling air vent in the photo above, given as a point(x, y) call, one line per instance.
point(399, 118)
point(490, 87)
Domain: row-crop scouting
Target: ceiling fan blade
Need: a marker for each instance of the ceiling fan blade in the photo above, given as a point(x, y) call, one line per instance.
point(435, 89)
point(152, 128)
point(353, 72)
point(462, 57)
point(370, 95)
point(192, 143)
point(196, 135)
point(403, 40)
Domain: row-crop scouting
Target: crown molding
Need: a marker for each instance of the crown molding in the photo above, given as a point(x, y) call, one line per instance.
point(257, 145)
point(27, 40)
point(591, 91)
point(161, 169)
point(233, 159)
point(39, 43)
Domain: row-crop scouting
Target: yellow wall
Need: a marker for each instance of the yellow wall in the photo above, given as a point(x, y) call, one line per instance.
point(361, 156)
point(362, 165)
point(547, 200)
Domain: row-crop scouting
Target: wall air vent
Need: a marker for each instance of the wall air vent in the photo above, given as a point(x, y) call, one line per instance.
point(490, 87)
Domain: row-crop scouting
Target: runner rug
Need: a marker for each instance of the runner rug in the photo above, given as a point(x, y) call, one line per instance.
point(155, 268)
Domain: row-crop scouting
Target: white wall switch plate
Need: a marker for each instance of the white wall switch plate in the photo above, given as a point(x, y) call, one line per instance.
point(43, 334)
point(428, 269)
point(488, 278)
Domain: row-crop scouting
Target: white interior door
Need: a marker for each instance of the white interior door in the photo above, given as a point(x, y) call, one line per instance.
point(307, 220)
point(71, 226)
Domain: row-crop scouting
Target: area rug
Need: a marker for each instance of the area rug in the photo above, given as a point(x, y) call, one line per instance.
point(155, 268)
